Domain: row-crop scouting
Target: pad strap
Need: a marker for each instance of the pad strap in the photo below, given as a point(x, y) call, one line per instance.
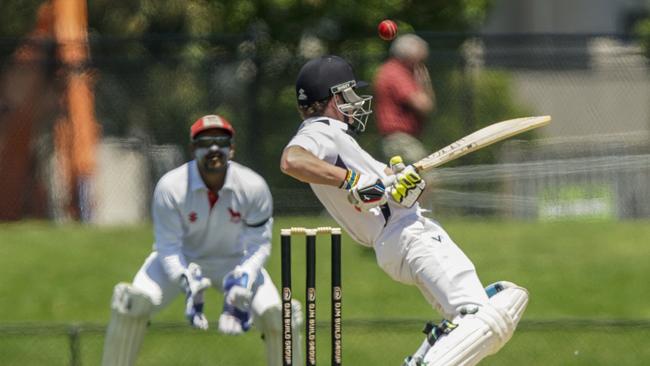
point(434, 332)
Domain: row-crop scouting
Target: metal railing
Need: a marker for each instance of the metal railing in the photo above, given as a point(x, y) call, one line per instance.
point(80, 344)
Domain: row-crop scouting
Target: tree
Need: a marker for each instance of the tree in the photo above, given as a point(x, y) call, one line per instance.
point(163, 63)
point(254, 47)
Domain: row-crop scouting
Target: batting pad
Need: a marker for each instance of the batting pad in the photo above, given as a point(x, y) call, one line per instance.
point(481, 334)
point(270, 325)
point(297, 322)
point(125, 333)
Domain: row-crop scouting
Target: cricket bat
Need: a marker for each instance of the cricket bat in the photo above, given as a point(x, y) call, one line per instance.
point(484, 137)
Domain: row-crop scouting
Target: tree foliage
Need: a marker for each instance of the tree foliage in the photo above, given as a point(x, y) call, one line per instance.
point(288, 19)
point(162, 63)
point(642, 30)
point(256, 47)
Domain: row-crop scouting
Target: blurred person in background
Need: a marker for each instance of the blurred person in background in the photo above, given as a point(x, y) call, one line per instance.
point(404, 100)
point(213, 222)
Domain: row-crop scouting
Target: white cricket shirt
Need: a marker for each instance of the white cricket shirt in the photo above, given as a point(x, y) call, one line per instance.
point(329, 140)
point(186, 229)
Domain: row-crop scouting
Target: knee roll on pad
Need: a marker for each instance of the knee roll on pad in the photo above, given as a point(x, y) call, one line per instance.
point(270, 321)
point(483, 333)
point(499, 324)
point(503, 312)
point(512, 299)
point(125, 332)
point(130, 301)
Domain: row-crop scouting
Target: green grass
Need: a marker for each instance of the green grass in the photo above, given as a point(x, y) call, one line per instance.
point(63, 274)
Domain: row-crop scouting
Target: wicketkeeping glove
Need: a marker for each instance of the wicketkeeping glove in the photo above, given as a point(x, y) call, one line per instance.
point(408, 185)
point(364, 192)
point(193, 284)
point(237, 286)
point(233, 321)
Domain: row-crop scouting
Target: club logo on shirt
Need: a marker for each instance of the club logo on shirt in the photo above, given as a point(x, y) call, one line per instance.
point(234, 215)
point(192, 216)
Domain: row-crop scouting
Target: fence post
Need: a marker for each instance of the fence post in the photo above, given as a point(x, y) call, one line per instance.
point(75, 347)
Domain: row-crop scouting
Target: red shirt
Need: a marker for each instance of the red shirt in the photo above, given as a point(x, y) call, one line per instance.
point(393, 84)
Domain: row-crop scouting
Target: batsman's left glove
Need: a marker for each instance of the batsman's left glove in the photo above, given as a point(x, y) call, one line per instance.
point(407, 186)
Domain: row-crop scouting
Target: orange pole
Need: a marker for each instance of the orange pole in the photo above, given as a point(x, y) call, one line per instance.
point(78, 134)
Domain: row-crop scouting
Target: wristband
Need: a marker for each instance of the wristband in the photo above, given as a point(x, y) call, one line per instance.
point(351, 179)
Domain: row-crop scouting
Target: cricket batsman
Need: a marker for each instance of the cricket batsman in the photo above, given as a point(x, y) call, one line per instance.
point(409, 247)
point(212, 221)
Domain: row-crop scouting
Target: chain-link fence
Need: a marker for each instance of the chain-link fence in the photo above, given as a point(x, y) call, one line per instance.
point(365, 342)
point(147, 91)
point(592, 161)
point(595, 177)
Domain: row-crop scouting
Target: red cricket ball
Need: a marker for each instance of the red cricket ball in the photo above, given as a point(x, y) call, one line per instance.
point(387, 29)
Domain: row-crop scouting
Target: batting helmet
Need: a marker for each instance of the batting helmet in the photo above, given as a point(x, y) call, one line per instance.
point(318, 76)
point(330, 75)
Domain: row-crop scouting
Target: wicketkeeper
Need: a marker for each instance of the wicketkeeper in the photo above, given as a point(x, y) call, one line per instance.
point(212, 222)
point(410, 248)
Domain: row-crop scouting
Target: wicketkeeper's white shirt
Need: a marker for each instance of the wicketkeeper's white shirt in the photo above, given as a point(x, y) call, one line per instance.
point(330, 141)
point(187, 230)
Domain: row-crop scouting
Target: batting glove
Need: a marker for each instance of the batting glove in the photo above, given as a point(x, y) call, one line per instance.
point(408, 185)
point(364, 193)
point(193, 284)
point(396, 164)
point(238, 288)
point(233, 321)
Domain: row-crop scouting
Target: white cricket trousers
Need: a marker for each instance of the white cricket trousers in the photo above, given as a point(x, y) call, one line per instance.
point(153, 281)
point(416, 250)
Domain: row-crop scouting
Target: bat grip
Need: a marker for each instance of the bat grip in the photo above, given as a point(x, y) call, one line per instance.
point(389, 180)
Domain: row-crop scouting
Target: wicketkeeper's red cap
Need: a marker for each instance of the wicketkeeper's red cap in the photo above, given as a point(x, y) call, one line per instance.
point(209, 122)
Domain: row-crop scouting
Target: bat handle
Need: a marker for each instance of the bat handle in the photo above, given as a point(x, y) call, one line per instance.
point(389, 180)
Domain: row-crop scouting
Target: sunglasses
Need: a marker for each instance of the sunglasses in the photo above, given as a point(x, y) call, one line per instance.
point(207, 141)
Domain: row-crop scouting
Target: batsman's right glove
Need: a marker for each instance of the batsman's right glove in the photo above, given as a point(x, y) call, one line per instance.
point(364, 193)
point(407, 186)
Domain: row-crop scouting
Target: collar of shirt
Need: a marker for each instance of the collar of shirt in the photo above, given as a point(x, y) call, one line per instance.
point(327, 120)
point(196, 182)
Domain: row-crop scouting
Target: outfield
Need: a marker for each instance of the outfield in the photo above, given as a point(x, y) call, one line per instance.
point(58, 275)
